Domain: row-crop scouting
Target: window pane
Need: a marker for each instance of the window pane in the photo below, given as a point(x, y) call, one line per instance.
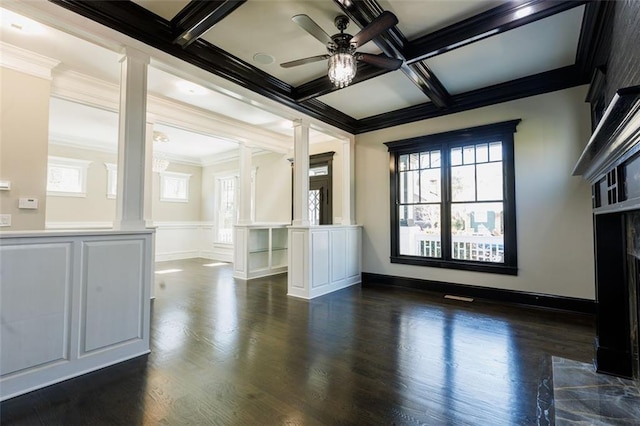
point(413, 161)
point(64, 179)
point(424, 160)
point(403, 162)
point(489, 181)
point(226, 209)
point(456, 156)
point(469, 154)
point(319, 171)
point(482, 153)
point(477, 232)
point(495, 151)
point(430, 185)
point(409, 187)
point(420, 230)
point(435, 158)
point(463, 183)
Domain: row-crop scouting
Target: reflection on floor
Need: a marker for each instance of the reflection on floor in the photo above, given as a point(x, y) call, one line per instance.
point(583, 396)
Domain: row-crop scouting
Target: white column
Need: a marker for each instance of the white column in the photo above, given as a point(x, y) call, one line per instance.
point(132, 143)
point(244, 187)
point(148, 176)
point(348, 182)
point(301, 173)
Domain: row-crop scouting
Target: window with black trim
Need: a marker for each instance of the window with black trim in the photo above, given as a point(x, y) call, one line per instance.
point(453, 199)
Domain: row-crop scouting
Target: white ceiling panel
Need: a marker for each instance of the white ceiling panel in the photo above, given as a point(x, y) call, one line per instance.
point(79, 124)
point(187, 143)
point(266, 27)
point(432, 15)
point(167, 85)
point(390, 91)
point(541, 46)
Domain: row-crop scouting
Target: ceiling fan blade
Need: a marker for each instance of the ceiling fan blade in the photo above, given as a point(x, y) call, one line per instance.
point(310, 26)
point(380, 61)
point(304, 61)
point(383, 22)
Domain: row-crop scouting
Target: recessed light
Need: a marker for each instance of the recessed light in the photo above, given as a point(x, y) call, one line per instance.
point(263, 58)
point(190, 88)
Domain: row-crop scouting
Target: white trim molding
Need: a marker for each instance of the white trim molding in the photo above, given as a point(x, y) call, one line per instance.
point(25, 61)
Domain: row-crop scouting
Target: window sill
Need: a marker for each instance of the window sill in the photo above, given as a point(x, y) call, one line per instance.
point(486, 267)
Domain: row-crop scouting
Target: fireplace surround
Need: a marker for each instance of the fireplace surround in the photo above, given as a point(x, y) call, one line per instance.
point(611, 164)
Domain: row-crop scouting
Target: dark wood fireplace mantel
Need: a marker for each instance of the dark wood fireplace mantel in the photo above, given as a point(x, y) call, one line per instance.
point(611, 163)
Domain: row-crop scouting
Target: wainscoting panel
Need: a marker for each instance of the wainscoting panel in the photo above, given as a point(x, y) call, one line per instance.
point(298, 253)
point(240, 250)
point(35, 305)
point(185, 240)
point(339, 257)
point(72, 302)
point(320, 259)
point(112, 288)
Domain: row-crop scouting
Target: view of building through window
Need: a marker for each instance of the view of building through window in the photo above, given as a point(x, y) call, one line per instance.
point(449, 198)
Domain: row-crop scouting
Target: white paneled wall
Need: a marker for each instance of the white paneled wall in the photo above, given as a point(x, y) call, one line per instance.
point(71, 302)
point(323, 259)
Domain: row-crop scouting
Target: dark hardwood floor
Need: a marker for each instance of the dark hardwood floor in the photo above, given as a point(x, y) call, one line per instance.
point(229, 352)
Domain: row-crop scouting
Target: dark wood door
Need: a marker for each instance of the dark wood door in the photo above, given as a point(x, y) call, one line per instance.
point(319, 201)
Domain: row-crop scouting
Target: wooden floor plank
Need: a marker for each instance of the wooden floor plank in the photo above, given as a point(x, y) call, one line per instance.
point(231, 352)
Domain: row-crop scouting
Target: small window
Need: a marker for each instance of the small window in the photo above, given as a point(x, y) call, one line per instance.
point(67, 177)
point(112, 180)
point(174, 187)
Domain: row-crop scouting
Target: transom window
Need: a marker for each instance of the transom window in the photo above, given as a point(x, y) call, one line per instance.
point(453, 200)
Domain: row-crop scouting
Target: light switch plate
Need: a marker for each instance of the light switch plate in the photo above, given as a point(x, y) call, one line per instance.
point(5, 220)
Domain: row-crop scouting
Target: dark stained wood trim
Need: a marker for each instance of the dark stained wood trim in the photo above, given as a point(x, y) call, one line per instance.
point(393, 43)
point(489, 23)
point(547, 301)
point(197, 17)
point(323, 86)
point(595, 37)
point(137, 22)
point(558, 79)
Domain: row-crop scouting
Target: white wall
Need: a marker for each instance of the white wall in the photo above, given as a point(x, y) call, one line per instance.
point(555, 241)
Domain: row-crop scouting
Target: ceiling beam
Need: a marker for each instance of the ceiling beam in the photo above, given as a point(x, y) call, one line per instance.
point(393, 43)
point(495, 21)
point(197, 17)
point(549, 81)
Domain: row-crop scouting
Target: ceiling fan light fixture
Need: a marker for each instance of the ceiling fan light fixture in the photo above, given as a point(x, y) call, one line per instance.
point(342, 69)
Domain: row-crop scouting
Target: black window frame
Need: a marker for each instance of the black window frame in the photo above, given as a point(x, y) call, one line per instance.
point(503, 132)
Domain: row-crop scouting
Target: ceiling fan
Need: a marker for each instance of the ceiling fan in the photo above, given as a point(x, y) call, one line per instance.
point(342, 47)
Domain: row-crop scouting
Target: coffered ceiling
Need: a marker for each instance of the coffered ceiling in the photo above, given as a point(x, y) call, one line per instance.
point(456, 55)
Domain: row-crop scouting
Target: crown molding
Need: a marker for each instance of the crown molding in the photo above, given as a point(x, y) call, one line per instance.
point(98, 146)
point(27, 62)
point(82, 88)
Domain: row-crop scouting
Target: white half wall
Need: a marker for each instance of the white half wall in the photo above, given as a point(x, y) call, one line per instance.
point(71, 302)
point(323, 259)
